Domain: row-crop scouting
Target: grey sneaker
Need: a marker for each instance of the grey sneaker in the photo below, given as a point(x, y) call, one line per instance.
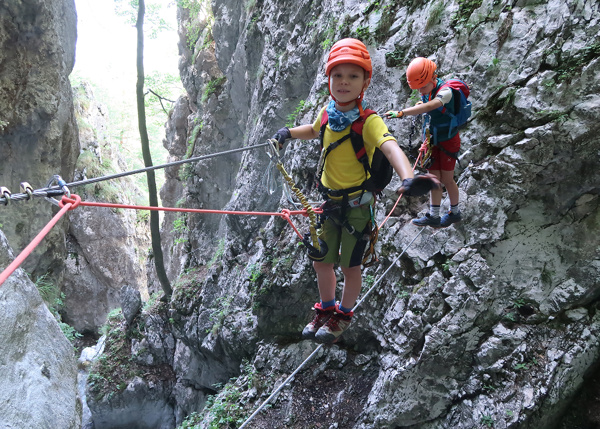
point(321, 317)
point(450, 218)
point(427, 220)
point(331, 331)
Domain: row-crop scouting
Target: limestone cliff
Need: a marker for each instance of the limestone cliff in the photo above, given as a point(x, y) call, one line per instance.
point(38, 133)
point(107, 248)
point(38, 139)
point(493, 322)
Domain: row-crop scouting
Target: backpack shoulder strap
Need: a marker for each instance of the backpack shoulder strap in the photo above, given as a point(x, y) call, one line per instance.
point(356, 137)
point(443, 108)
point(324, 120)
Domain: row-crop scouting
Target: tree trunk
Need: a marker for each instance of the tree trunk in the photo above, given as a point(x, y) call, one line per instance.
point(154, 219)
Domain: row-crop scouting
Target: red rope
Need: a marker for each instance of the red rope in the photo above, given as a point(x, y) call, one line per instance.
point(285, 213)
point(73, 203)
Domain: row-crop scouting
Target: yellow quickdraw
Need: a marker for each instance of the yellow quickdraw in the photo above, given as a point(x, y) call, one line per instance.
point(312, 216)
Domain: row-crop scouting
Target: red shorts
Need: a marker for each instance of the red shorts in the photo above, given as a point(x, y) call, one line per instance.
point(441, 160)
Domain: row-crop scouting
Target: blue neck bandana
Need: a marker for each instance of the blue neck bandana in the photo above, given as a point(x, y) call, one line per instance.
point(338, 121)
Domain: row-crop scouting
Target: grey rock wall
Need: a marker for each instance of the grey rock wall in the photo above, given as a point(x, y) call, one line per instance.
point(38, 133)
point(107, 248)
point(38, 370)
point(493, 322)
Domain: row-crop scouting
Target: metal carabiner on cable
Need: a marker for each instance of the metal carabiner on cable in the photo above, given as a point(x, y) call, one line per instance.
point(272, 151)
point(5, 195)
point(64, 190)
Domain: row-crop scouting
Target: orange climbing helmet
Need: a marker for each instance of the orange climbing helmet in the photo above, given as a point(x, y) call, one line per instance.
point(351, 51)
point(420, 72)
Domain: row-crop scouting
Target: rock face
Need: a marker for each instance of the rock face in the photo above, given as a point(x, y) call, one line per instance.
point(107, 248)
point(492, 322)
point(38, 370)
point(38, 133)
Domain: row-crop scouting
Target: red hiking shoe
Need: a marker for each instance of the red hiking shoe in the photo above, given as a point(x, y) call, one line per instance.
point(330, 332)
point(321, 317)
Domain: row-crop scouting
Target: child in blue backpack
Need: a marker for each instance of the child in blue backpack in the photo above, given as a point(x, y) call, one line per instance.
point(343, 180)
point(421, 75)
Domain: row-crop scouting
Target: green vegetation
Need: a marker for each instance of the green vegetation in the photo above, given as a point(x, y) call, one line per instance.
point(363, 33)
point(570, 64)
point(160, 88)
point(90, 164)
point(226, 410)
point(387, 18)
point(328, 36)
point(152, 301)
point(465, 10)
point(487, 421)
point(397, 57)
point(254, 272)
point(403, 294)
point(219, 312)
point(519, 303)
point(186, 291)
point(111, 372)
point(214, 86)
point(180, 227)
point(291, 118)
point(197, 9)
point(192, 139)
point(369, 280)
point(218, 253)
point(54, 300)
point(435, 14)
point(192, 421)
point(546, 275)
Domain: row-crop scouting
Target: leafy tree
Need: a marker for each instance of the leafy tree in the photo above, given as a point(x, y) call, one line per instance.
point(153, 196)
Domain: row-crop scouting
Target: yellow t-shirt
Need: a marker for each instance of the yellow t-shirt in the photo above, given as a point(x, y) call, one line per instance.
point(342, 170)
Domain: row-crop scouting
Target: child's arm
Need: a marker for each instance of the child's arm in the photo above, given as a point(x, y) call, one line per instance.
point(397, 158)
point(415, 110)
point(302, 132)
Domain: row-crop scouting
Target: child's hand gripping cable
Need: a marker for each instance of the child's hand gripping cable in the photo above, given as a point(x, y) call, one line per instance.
point(419, 185)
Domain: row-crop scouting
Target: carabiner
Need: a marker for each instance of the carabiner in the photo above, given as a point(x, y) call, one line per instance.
point(272, 151)
point(63, 187)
